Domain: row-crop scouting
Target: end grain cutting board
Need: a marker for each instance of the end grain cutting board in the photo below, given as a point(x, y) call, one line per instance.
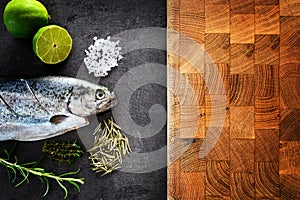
point(234, 103)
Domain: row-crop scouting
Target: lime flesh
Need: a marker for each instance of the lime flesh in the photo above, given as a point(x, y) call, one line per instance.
point(52, 44)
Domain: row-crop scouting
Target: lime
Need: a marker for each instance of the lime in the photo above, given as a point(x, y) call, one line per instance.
point(22, 18)
point(52, 44)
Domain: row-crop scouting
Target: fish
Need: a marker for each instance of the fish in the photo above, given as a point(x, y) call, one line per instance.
point(44, 107)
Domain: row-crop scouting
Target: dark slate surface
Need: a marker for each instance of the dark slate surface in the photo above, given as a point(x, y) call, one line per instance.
point(84, 20)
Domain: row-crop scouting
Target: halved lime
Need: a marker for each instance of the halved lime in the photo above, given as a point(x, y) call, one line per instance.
point(52, 44)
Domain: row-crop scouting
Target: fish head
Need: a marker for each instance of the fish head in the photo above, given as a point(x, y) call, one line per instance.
point(85, 101)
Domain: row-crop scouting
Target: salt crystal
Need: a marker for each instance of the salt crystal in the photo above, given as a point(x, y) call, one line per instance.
point(102, 56)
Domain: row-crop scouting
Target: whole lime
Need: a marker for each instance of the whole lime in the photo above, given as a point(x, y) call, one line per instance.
point(23, 18)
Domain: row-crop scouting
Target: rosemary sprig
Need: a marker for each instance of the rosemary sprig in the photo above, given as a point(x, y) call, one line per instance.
point(29, 168)
point(63, 152)
point(110, 145)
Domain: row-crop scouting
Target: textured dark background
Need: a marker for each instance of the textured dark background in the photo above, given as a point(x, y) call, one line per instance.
point(84, 20)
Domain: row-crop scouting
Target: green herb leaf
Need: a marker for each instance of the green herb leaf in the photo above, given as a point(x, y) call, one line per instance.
point(70, 173)
point(63, 187)
point(47, 188)
point(76, 185)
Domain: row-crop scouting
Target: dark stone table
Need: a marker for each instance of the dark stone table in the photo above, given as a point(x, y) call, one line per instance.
point(85, 20)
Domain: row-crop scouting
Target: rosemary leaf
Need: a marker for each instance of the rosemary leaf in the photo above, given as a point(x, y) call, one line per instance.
point(63, 187)
point(70, 173)
point(47, 184)
point(75, 185)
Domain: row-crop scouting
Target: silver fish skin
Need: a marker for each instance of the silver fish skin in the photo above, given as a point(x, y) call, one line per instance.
point(41, 108)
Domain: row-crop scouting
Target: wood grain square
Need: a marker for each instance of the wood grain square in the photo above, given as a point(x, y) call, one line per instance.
point(289, 158)
point(192, 6)
point(290, 69)
point(290, 93)
point(173, 129)
point(267, 114)
point(187, 88)
point(192, 26)
point(173, 181)
point(192, 186)
point(241, 92)
point(217, 46)
point(217, 78)
point(192, 122)
point(289, 58)
point(242, 186)
point(242, 28)
point(242, 7)
point(266, 2)
point(185, 67)
point(267, 145)
point(190, 160)
point(219, 140)
point(241, 155)
point(242, 122)
point(174, 143)
point(242, 59)
point(267, 184)
point(267, 49)
point(266, 97)
point(195, 82)
point(289, 8)
point(173, 64)
point(290, 125)
point(266, 81)
point(217, 18)
point(267, 19)
point(173, 14)
point(217, 114)
point(289, 187)
point(289, 31)
point(217, 179)
point(174, 116)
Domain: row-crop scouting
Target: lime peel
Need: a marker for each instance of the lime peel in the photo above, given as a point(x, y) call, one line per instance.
point(22, 18)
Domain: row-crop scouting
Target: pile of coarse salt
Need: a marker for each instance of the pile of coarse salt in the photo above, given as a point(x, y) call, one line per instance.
point(102, 56)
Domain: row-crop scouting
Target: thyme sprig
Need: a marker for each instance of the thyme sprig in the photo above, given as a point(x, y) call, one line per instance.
point(63, 152)
point(110, 145)
point(30, 168)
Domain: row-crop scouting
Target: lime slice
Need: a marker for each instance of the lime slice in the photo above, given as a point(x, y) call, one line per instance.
point(52, 44)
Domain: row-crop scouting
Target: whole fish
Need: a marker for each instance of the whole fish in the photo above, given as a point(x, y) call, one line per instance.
point(36, 109)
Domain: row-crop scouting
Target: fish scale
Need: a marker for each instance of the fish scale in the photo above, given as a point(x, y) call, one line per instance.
point(19, 99)
point(52, 95)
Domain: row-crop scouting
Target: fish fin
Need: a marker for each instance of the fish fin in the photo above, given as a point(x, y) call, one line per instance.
point(57, 119)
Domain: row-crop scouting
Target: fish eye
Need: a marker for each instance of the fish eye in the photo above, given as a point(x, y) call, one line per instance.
point(99, 94)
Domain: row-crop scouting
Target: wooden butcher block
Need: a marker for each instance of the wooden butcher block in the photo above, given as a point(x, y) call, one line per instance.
point(234, 99)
